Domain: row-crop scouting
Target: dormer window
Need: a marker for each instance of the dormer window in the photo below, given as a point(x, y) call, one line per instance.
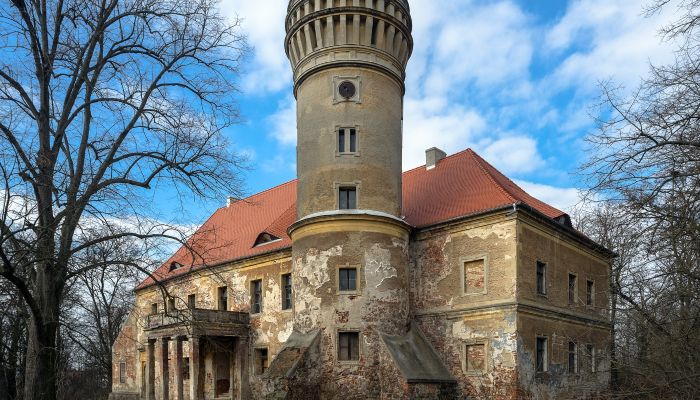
point(265, 238)
point(175, 265)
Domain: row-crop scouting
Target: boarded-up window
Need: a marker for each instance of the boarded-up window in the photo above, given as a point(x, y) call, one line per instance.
point(474, 276)
point(348, 346)
point(476, 357)
point(122, 372)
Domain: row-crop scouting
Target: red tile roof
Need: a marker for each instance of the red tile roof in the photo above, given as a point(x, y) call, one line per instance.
point(461, 184)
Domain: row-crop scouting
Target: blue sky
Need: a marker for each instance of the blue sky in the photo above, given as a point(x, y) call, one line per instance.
point(513, 79)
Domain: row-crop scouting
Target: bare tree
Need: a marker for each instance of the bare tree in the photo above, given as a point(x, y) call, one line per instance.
point(645, 163)
point(99, 102)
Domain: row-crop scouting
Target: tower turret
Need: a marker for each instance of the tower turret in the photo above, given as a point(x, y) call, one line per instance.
point(350, 245)
point(349, 59)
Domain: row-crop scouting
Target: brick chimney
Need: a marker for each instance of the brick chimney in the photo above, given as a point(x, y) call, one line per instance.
point(432, 156)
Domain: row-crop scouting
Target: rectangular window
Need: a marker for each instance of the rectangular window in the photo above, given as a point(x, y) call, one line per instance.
point(347, 140)
point(347, 198)
point(590, 354)
point(192, 301)
point(256, 296)
point(261, 361)
point(541, 278)
point(223, 298)
point(541, 360)
point(476, 357)
point(474, 276)
point(171, 304)
point(573, 358)
point(347, 279)
point(572, 288)
point(590, 286)
point(287, 291)
point(348, 346)
point(122, 372)
point(154, 308)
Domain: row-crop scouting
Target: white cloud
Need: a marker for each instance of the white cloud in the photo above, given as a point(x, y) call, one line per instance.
point(562, 198)
point(433, 122)
point(608, 39)
point(263, 22)
point(514, 155)
point(284, 122)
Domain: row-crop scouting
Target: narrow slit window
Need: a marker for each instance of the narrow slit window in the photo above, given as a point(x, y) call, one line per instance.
point(347, 279)
point(223, 298)
point(256, 296)
point(154, 308)
point(590, 286)
point(353, 141)
point(347, 197)
point(541, 278)
point(341, 140)
point(122, 372)
point(348, 346)
point(287, 291)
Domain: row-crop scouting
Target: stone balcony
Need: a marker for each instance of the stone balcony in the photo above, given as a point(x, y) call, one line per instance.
point(197, 322)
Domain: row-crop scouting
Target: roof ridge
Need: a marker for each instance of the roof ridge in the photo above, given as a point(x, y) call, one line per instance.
point(479, 162)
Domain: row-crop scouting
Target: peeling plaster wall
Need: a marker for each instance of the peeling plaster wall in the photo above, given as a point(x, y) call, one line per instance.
point(452, 319)
point(125, 350)
point(380, 304)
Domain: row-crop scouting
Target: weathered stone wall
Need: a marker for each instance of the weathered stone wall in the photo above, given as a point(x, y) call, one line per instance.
point(452, 317)
point(551, 315)
point(125, 350)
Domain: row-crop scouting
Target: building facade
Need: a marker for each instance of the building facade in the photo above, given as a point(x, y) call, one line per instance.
point(358, 281)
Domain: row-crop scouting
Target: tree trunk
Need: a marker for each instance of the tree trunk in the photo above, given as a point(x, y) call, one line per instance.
point(40, 370)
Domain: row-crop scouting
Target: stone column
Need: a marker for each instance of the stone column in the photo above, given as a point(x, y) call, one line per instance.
point(178, 368)
point(242, 368)
point(151, 371)
point(164, 369)
point(194, 368)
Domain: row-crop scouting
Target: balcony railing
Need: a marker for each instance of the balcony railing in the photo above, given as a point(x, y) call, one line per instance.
point(196, 317)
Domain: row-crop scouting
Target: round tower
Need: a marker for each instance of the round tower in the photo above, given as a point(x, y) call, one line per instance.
point(350, 245)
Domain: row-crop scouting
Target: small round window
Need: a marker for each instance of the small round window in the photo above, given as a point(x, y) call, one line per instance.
point(347, 89)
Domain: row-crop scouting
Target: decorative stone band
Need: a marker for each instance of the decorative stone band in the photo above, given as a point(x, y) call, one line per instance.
point(323, 37)
point(349, 221)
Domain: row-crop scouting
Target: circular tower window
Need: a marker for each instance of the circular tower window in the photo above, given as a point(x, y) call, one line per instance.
point(346, 89)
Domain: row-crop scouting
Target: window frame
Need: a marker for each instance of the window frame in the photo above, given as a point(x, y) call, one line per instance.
point(287, 296)
point(572, 368)
point(340, 332)
point(222, 306)
point(463, 273)
point(590, 293)
point(253, 294)
point(545, 355)
point(154, 309)
point(347, 132)
point(357, 279)
point(171, 305)
point(349, 189)
point(192, 301)
point(542, 292)
point(591, 354)
point(572, 293)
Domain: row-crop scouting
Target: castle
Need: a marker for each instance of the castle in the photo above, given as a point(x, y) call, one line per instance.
point(358, 281)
